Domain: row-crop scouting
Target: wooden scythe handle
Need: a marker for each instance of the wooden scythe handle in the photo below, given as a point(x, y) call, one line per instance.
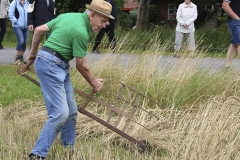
point(88, 99)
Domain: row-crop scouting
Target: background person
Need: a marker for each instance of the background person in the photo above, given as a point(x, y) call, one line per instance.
point(19, 26)
point(42, 11)
point(52, 69)
point(232, 8)
point(4, 6)
point(109, 30)
point(186, 15)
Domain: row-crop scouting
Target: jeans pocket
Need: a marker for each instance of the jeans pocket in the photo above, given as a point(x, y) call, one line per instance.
point(42, 57)
point(56, 61)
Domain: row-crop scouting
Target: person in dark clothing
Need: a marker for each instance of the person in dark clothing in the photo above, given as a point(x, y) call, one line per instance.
point(41, 12)
point(4, 6)
point(109, 30)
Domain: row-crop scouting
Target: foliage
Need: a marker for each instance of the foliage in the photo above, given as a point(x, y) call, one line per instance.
point(223, 18)
point(218, 38)
point(203, 16)
point(204, 2)
point(153, 14)
point(123, 19)
point(63, 6)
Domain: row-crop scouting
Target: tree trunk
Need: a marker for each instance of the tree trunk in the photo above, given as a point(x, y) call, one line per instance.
point(142, 18)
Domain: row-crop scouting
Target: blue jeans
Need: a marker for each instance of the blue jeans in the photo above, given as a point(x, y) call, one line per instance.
point(234, 27)
point(54, 77)
point(22, 37)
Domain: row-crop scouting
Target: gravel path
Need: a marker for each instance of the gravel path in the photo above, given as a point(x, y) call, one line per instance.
point(164, 63)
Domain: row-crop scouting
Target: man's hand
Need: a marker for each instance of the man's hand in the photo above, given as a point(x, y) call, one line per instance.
point(97, 85)
point(30, 28)
point(31, 56)
point(82, 67)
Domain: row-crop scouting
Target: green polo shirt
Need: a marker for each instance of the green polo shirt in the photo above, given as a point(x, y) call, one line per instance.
point(69, 35)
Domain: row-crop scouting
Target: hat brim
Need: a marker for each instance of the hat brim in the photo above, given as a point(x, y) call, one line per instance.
point(99, 12)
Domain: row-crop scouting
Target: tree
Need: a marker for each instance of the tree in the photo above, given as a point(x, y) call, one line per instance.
point(142, 18)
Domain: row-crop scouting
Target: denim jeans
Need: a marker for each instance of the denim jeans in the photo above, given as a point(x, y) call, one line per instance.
point(3, 26)
point(22, 37)
point(57, 89)
point(234, 27)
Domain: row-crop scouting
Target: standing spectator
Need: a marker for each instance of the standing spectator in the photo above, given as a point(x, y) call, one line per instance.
point(232, 8)
point(18, 16)
point(68, 39)
point(4, 6)
point(109, 30)
point(42, 11)
point(186, 15)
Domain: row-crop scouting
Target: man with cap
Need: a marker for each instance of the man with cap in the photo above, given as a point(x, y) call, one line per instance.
point(52, 68)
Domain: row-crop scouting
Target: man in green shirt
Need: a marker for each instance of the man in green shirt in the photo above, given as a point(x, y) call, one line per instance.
point(69, 35)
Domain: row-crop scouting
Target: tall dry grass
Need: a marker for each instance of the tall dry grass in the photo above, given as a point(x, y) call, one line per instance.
point(198, 116)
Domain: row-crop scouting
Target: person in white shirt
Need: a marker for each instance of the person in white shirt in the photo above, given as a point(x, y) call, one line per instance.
point(186, 15)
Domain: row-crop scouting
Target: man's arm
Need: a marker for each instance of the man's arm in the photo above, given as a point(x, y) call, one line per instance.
point(82, 67)
point(39, 32)
point(226, 7)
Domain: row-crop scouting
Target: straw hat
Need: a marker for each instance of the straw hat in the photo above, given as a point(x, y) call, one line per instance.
point(101, 7)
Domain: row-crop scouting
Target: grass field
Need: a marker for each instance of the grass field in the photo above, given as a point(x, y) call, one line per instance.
point(198, 113)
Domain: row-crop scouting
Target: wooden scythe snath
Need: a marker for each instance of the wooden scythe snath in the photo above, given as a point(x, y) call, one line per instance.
point(130, 104)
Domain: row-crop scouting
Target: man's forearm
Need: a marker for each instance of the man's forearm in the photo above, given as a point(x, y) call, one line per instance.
point(37, 38)
point(86, 74)
point(82, 67)
point(39, 32)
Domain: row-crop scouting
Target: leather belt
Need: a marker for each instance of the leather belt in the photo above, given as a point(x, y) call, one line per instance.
point(49, 50)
